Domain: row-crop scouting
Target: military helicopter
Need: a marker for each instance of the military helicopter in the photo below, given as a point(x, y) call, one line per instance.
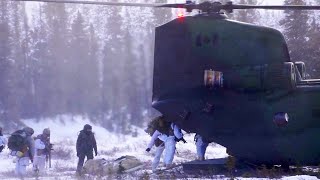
point(234, 83)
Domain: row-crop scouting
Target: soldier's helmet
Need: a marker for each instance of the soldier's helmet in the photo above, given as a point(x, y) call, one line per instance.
point(46, 131)
point(29, 131)
point(87, 127)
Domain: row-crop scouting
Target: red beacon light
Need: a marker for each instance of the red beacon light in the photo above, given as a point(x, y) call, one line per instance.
point(180, 14)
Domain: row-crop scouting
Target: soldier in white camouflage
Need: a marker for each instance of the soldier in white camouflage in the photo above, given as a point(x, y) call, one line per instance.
point(42, 150)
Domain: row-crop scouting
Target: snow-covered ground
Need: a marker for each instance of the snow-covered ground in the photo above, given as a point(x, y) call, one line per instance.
point(64, 131)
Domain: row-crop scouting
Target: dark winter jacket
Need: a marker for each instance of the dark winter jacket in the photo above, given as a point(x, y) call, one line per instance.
point(29, 142)
point(86, 142)
point(31, 149)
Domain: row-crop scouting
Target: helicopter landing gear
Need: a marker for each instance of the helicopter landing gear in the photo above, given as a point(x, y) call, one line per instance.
point(289, 75)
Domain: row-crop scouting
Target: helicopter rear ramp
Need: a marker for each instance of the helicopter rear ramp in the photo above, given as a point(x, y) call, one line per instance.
point(209, 165)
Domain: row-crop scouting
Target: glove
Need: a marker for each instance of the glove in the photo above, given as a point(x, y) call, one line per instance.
point(148, 149)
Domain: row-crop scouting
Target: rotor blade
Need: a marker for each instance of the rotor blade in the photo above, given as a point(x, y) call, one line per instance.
point(97, 3)
point(284, 7)
point(174, 5)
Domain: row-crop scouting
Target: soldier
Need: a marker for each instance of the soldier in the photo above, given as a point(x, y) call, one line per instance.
point(42, 150)
point(166, 135)
point(86, 143)
point(26, 149)
point(170, 136)
point(158, 143)
point(201, 144)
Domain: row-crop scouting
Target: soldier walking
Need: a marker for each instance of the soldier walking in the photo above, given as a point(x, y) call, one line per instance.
point(21, 145)
point(86, 143)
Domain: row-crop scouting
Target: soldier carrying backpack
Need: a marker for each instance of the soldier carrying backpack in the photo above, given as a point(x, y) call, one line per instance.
point(153, 130)
point(164, 134)
point(21, 145)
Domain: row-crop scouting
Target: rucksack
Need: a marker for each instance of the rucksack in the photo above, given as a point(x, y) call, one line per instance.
point(153, 125)
point(17, 141)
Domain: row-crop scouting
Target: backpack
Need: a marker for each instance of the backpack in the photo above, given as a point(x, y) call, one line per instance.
point(17, 141)
point(166, 129)
point(153, 125)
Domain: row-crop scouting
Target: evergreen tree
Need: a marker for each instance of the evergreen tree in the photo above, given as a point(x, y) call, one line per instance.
point(57, 84)
point(95, 73)
point(17, 78)
point(162, 15)
point(132, 79)
point(145, 49)
point(21, 80)
point(249, 15)
point(40, 66)
point(112, 68)
point(77, 62)
point(84, 77)
point(12, 60)
point(295, 27)
point(27, 99)
point(314, 50)
point(5, 63)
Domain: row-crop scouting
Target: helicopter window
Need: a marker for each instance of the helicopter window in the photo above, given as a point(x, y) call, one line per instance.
point(213, 78)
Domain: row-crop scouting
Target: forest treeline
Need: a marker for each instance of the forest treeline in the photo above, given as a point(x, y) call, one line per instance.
point(96, 61)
